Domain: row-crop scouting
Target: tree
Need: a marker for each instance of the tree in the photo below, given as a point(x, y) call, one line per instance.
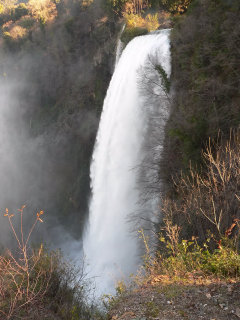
point(175, 6)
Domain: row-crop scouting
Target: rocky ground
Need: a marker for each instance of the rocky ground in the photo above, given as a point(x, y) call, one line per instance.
point(192, 298)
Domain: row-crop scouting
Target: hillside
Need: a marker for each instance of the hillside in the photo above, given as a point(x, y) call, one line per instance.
point(205, 57)
point(166, 299)
point(56, 61)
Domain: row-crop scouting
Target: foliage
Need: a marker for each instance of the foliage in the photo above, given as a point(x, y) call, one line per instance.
point(175, 6)
point(17, 32)
point(134, 20)
point(27, 22)
point(20, 11)
point(37, 10)
point(200, 229)
point(137, 25)
point(87, 3)
point(189, 256)
point(25, 278)
point(205, 57)
point(42, 10)
point(150, 22)
point(164, 77)
point(36, 283)
point(121, 7)
point(20, 19)
point(178, 258)
point(115, 7)
point(209, 201)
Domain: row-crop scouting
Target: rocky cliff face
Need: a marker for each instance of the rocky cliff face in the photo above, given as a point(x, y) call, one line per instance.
point(64, 65)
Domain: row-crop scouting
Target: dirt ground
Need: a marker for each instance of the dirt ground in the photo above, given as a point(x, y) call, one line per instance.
point(189, 299)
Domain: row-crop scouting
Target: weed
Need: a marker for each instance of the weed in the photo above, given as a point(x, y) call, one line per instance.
point(152, 310)
point(36, 280)
point(24, 278)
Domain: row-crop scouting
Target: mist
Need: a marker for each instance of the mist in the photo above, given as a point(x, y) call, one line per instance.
point(28, 174)
point(52, 84)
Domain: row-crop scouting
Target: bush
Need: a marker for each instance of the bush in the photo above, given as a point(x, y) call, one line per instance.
point(175, 6)
point(18, 32)
point(186, 260)
point(36, 283)
point(150, 22)
point(209, 201)
point(189, 256)
point(24, 278)
point(20, 11)
point(26, 22)
point(43, 11)
point(115, 7)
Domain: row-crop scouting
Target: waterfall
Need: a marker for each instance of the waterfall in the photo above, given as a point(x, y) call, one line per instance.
point(111, 250)
point(120, 46)
point(118, 51)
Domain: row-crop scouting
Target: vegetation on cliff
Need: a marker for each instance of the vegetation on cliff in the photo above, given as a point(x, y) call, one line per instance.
point(194, 270)
point(205, 57)
point(59, 55)
point(37, 283)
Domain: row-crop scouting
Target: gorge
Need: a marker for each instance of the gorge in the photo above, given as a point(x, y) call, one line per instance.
point(125, 143)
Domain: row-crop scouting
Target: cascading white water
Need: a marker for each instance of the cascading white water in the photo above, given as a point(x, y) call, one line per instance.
point(111, 249)
point(120, 47)
point(118, 51)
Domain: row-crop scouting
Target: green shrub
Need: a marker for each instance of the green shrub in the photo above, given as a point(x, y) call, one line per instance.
point(165, 80)
point(20, 11)
point(189, 256)
point(27, 22)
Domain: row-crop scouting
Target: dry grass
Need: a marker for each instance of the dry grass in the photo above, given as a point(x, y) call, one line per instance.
point(200, 230)
point(24, 276)
point(209, 201)
point(36, 283)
